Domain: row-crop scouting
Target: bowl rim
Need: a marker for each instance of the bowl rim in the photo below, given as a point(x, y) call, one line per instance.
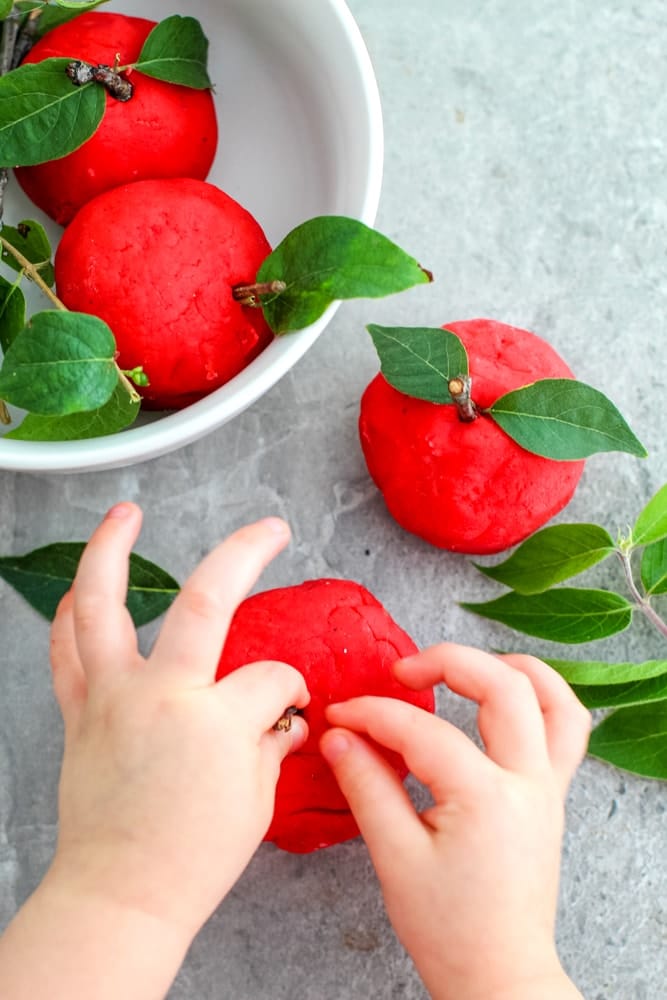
point(172, 432)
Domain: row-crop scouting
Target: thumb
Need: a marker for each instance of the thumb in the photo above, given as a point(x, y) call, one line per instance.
point(380, 804)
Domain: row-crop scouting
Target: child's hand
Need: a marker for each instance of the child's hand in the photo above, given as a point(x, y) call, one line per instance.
point(168, 778)
point(471, 884)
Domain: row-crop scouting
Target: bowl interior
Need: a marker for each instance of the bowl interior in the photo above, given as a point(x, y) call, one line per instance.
point(300, 135)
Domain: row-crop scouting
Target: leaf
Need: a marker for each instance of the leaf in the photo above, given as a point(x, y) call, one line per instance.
point(43, 116)
point(566, 614)
point(79, 5)
point(550, 556)
point(26, 6)
point(31, 240)
point(176, 51)
point(595, 672)
point(622, 695)
point(329, 258)
point(5, 8)
point(63, 362)
point(651, 525)
point(44, 576)
point(420, 361)
point(120, 412)
point(564, 420)
point(12, 312)
point(654, 567)
point(634, 739)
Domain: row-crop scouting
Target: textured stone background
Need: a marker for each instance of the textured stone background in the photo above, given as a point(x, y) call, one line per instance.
point(526, 167)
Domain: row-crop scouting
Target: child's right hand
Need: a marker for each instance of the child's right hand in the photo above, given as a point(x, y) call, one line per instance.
point(471, 883)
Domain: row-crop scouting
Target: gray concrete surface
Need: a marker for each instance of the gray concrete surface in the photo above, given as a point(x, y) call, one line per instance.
point(525, 166)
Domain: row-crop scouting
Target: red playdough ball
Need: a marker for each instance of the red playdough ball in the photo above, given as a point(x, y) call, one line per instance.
point(467, 487)
point(158, 260)
point(344, 643)
point(164, 130)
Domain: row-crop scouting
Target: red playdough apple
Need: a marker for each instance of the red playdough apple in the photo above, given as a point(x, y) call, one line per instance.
point(467, 487)
point(158, 260)
point(165, 130)
point(344, 642)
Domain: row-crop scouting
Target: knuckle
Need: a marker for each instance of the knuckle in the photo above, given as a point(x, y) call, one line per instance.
point(200, 604)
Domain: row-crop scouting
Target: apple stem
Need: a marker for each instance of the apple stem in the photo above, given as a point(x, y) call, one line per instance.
point(249, 295)
point(4, 414)
point(459, 390)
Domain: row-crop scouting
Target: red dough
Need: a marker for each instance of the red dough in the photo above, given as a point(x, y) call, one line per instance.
point(164, 131)
point(467, 487)
point(157, 261)
point(344, 643)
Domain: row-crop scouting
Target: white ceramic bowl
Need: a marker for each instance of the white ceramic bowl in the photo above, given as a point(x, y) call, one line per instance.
point(300, 135)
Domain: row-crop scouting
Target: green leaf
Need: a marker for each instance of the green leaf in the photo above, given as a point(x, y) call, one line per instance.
point(32, 242)
point(176, 51)
point(43, 116)
point(654, 567)
point(12, 312)
point(44, 576)
point(79, 5)
point(120, 412)
point(651, 525)
point(566, 614)
point(564, 420)
point(420, 361)
point(26, 6)
point(634, 739)
point(550, 556)
point(63, 362)
point(5, 8)
point(330, 258)
point(622, 695)
point(588, 673)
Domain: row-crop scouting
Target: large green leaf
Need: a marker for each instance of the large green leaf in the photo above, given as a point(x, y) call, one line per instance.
point(550, 556)
point(32, 242)
point(420, 361)
point(634, 739)
point(330, 258)
point(43, 116)
point(44, 576)
point(651, 525)
point(176, 51)
point(120, 412)
point(566, 614)
point(12, 312)
point(596, 672)
point(63, 362)
point(564, 420)
point(622, 695)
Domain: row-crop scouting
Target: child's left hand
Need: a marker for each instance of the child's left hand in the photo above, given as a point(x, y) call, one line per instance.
point(168, 778)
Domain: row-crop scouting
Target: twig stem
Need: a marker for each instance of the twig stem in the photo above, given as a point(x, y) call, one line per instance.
point(642, 602)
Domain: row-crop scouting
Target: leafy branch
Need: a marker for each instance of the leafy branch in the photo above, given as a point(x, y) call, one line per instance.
point(634, 736)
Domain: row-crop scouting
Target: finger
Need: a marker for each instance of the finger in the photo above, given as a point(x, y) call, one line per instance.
point(261, 692)
point(567, 722)
point(105, 634)
point(276, 745)
point(69, 679)
point(196, 625)
point(510, 720)
point(438, 754)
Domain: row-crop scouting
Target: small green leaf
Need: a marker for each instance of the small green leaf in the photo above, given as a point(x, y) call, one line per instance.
point(63, 362)
point(634, 739)
point(596, 672)
point(330, 258)
point(420, 361)
point(5, 8)
point(564, 420)
point(550, 556)
point(43, 116)
point(622, 695)
point(566, 614)
point(176, 51)
point(651, 525)
point(26, 6)
point(120, 412)
point(32, 242)
point(44, 576)
point(79, 5)
point(12, 312)
point(654, 567)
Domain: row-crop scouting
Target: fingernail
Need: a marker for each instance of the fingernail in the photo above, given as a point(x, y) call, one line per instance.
point(276, 525)
point(334, 746)
point(120, 510)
